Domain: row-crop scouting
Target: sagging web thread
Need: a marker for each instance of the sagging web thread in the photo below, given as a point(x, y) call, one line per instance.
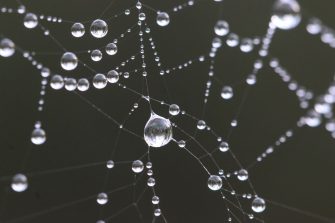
point(159, 130)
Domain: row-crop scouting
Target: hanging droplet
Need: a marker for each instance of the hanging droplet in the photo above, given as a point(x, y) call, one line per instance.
point(69, 61)
point(142, 16)
point(57, 82)
point(83, 84)
point(78, 30)
point(221, 28)
point(70, 84)
point(19, 183)
point(137, 166)
point(224, 147)
point(99, 28)
point(102, 198)
point(227, 92)
point(157, 131)
point(174, 109)
point(7, 47)
point(99, 81)
point(157, 212)
point(96, 55)
point(201, 125)
point(163, 19)
point(214, 182)
point(112, 76)
point(30, 20)
point(111, 49)
point(286, 14)
point(38, 136)
point(110, 164)
point(155, 200)
point(258, 205)
point(151, 182)
point(181, 144)
point(312, 119)
point(242, 175)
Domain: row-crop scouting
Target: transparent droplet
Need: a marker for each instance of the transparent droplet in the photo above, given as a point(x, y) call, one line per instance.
point(232, 40)
point(111, 49)
point(38, 136)
point(45, 72)
point(181, 143)
point(19, 183)
point(69, 61)
point(246, 45)
point(142, 16)
point(258, 205)
point(7, 47)
point(96, 55)
point(102, 198)
point(99, 81)
point(157, 131)
point(78, 30)
point(227, 92)
point(163, 19)
point(214, 182)
point(201, 125)
point(110, 164)
point(99, 28)
point(151, 182)
point(83, 84)
point(137, 166)
point(221, 28)
point(70, 84)
point(242, 175)
point(314, 26)
point(30, 20)
point(312, 119)
point(112, 76)
point(286, 14)
point(57, 82)
point(174, 109)
point(224, 147)
point(157, 212)
point(155, 200)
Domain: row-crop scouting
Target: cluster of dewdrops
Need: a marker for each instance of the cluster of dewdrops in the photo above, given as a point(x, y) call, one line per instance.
point(158, 130)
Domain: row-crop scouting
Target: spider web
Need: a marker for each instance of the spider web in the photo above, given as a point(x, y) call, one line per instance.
point(133, 98)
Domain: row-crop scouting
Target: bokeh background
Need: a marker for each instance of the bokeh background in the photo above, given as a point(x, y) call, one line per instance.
point(300, 174)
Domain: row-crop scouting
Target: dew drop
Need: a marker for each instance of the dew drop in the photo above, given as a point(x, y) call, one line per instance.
point(214, 182)
point(221, 28)
point(286, 14)
point(99, 81)
point(258, 205)
point(69, 61)
point(163, 19)
point(137, 166)
point(174, 109)
point(77, 30)
point(157, 131)
point(7, 47)
point(102, 198)
point(30, 20)
point(99, 28)
point(38, 136)
point(19, 183)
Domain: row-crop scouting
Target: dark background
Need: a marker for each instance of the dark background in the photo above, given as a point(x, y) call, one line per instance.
point(300, 174)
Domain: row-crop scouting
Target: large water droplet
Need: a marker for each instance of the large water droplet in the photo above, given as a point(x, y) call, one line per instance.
point(99, 28)
point(7, 47)
point(30, 20)
point(69, 61)
point(163, 19)
point(214, 182)
point(258, 205)
point(286, 14)
point(157, 131)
